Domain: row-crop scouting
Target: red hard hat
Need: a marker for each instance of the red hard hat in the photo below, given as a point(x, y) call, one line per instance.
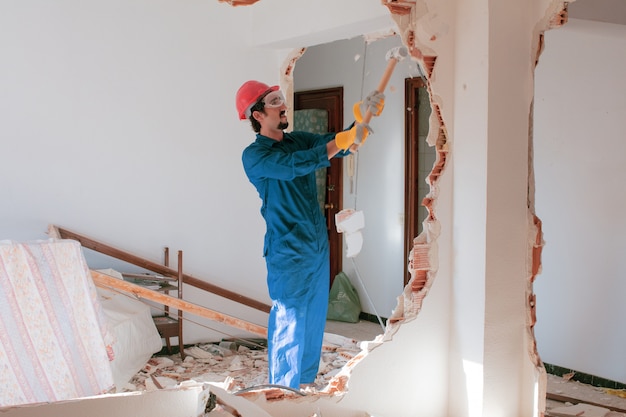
point(249, 93)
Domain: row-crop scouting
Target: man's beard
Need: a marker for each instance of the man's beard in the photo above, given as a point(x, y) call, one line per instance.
point(281, 125)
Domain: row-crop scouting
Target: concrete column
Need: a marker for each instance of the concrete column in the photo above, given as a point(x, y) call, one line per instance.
point(493, 93)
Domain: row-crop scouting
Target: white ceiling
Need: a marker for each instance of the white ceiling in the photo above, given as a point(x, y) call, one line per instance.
point(608, 11)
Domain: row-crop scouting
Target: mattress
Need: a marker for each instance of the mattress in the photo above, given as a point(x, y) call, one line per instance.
point(55, 342)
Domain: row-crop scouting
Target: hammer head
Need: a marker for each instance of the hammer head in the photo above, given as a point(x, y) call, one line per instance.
point(398, 53)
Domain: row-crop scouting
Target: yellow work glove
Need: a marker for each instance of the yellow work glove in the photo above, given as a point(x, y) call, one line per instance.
point(357, 134)
point(374, 102)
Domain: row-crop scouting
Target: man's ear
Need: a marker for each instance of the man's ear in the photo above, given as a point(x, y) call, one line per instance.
point(257, 115)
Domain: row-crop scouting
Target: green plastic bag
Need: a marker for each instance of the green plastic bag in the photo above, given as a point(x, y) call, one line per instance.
point(344, 303)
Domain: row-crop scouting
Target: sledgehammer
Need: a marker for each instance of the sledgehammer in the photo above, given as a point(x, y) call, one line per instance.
point(393, 56)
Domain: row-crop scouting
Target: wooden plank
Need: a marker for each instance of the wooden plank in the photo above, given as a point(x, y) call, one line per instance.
point(574, 400)
point(61, 233)
point(569, 399)
point(107, 281)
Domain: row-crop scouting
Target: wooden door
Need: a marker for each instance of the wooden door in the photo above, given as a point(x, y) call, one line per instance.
point(330, 100)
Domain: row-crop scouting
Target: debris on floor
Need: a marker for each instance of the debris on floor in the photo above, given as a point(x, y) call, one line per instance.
point(235, 364)
point(567, 397)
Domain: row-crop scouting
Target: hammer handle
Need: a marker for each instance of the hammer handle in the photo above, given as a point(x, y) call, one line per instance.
point(391, 65)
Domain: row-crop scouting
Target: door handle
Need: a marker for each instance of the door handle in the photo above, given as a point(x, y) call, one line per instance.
point(329, 206)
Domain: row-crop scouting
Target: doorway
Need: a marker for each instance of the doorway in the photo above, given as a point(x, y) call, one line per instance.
point(329, 102)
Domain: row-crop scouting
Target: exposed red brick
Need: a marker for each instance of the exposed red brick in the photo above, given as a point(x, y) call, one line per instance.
point(560, 18)
point(536, 260)
point(437, 111)
point(540, 47)
point(292, 61)
point(428, 203)
point(275, 394)
point(328, 348)
point(417, 301)
point(410, 38)
point(532, 299)
point(338, 384)
point(437, 168)
point(413, 49)
point(353, 361)
point(539, 238)
point(419, 257)
point(419, 281)
point(429, 63)
point(395, 320)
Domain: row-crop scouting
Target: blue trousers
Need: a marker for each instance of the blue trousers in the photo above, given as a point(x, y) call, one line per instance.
point(297, 321)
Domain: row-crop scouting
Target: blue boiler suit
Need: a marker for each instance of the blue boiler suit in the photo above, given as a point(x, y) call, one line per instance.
point(295, 249)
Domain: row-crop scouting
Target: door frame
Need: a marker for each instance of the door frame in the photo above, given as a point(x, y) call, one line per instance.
point(331, 100)
point(411, 168)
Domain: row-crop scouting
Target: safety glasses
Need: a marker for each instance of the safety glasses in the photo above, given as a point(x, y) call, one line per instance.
point(274, 99)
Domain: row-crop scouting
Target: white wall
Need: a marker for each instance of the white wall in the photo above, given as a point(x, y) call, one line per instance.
point(117, 120)
point(119, 123)
point(579, 163)
point(378, 186)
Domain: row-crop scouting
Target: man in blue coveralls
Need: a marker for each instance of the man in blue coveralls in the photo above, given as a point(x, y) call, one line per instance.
point(282, 167)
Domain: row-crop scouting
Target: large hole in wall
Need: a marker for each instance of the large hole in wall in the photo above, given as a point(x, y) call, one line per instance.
point(365, 181)
point(408, 276)
point(366, 186)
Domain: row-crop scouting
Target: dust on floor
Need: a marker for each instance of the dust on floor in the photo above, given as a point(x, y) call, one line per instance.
point(240, 365)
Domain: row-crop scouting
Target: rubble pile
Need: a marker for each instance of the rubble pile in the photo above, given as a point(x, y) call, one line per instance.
point(236, 365)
